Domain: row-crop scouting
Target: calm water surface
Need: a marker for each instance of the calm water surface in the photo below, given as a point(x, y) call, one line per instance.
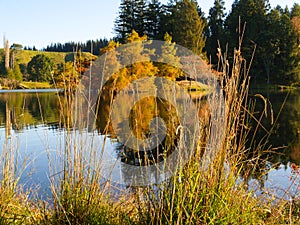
point(32, 124)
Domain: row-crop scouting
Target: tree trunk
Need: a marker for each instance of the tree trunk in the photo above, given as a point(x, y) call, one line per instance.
point(267, 64)
point(6, 49)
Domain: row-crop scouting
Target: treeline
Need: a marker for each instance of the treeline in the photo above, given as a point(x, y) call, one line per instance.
point(272, 34)
point(92, 46)
point(183, 20)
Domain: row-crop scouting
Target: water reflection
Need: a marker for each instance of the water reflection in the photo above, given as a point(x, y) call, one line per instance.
point(141, 115)
point(278, 142)
point(32, 113)
point(26, 109)
point(284, 132)
point(140, 110)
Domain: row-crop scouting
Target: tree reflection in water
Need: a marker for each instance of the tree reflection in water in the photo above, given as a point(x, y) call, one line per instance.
point(141, 115)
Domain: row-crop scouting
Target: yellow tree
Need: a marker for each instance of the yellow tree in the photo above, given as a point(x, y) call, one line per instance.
point(117, 76)
point(168, 57)
point(135, 50)
point(66, 76)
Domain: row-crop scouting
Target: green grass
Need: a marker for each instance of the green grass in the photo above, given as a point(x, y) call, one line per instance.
point(35, 85)
point(24, 56)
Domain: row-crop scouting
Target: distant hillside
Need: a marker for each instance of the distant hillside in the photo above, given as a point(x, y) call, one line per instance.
point(24, 56)
point(43, 70)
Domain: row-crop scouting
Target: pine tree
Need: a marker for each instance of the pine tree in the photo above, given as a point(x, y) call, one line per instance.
point(153, 18)
point(187, 26)
point(253, 14)
point(216, 29)
point(272, 35)
point(295, 11)
point(287, 63)
point(140, 9)
point(132, 16)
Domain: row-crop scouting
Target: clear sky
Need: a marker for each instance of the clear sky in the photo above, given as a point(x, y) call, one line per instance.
point(42, 22)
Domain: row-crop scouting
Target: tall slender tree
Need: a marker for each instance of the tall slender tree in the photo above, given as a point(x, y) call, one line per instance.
point(124, 23)
point(295, 16)
point(287, 63)
point(295, 11)
point(216, 31)
point(140, 14)
point(7, 53)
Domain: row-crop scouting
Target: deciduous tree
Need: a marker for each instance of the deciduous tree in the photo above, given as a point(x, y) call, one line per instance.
point(40, 68)
point(168, 56)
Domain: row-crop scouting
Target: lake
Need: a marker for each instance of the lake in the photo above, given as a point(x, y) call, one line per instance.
point(32, 125)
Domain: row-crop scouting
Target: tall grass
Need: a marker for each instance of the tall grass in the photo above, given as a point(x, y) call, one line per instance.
point(196, 194)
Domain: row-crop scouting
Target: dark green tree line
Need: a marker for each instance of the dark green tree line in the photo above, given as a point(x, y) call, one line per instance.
point(178, 18)
point(92, 46)
point(271, 34)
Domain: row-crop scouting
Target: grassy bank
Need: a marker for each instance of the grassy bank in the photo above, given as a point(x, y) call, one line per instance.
point(35, 85)
point(216, 193)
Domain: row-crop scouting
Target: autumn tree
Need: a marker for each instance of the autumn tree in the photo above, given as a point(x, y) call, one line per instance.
point(66, 76)
point(169, 58)
point(136, 50)
point(111, 57)
point(295, 16)
point(118, 75)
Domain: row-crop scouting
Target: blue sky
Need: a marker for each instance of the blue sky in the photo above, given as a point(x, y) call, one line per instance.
point(42, 22)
